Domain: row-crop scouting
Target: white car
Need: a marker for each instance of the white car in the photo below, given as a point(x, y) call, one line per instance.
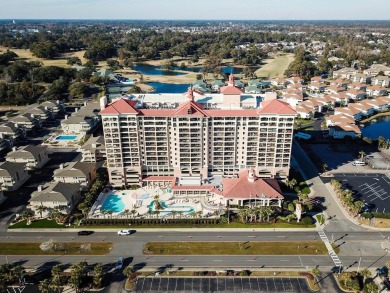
point(124, 232)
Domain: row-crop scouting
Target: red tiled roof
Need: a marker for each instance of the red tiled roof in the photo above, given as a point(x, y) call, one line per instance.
point(230, 90)
point(190, 108)
point(275, 107)
point(121, 106)
point(242, 188)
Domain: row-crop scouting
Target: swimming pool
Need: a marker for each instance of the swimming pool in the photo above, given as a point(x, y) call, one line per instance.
point(66, 137)
point(113, 202)
point(169, 209)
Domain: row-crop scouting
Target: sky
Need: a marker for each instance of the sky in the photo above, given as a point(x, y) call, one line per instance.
point(197, 9)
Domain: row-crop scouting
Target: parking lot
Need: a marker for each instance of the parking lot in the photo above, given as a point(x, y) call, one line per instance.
point(223, 284)
point(373, 189)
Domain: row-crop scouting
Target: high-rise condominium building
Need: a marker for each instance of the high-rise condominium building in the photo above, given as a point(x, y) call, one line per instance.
point(194, 136)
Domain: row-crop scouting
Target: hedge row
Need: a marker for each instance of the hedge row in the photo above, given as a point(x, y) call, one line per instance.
point(140, 222)
point(376, 215)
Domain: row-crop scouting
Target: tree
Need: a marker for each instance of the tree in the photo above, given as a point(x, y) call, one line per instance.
point(370, 288)
point(135, 90)
point(325, 168)
point(40, 209)
point(44, 286)
point(126, 212)
point(74, 61)
point(365, 273)
point(47, 50)
point(361, 154)
point(316, 271)
point(78, 89)
point(98, 276)
point(27, 215)
point(129, 271)
point(292, 183)
point(133, 212)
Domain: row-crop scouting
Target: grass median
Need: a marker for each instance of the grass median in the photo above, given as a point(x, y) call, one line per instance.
point(236, 248)
point(59, 248)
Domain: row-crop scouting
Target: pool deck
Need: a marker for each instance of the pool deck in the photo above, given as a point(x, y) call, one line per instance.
point(137, 201)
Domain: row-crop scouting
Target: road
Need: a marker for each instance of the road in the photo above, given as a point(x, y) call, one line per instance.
point(339, 221)
point(131, 248)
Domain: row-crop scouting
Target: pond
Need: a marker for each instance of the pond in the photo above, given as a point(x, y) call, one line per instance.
point(170, 88)
point(378, 127)
point(148, 69)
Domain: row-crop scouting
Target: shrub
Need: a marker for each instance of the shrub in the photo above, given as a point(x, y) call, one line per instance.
point(307, 221)
point(245, 273)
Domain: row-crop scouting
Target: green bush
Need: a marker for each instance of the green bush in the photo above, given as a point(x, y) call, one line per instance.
point(306, 190)
point(245, 273)
point(307, 221)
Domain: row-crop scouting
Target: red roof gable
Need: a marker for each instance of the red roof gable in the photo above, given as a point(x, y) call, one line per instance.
point(275, 107)
point(230, 90)
point(242, 188)
point(190, 108)
point(122, 106)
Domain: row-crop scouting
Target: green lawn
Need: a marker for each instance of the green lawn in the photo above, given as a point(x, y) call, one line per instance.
point(275, 67)
point(69, 248)
point(37, 224)
point(235, 248)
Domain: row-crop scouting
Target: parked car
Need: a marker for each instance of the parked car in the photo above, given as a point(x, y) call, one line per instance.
point(125, 232)
point(119, 263)
point(85, 233)
point(358, 163)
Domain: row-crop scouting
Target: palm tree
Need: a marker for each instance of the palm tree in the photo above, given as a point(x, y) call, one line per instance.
point(126, 212)
point(44, 286)
point(287, 218)
point(199, 213)
point(40, 209)
point(98, 275)
point(181, 213)
point(156, 212)
point(27, 215)
point(173, 214)
point(292, 183)
point(110, 212)
point(242, 213)
point(365, 273)
point(325, 168)
point(56, 272)
point(133, 212)
point(104, 213)
point(316, 271)
point(193, 214)
point(268, 212)
point(129, 271)
point(362, 153)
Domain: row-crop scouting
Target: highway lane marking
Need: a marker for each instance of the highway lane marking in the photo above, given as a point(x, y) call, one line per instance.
point(284, 260)
point(300, 260)
point(217, 259)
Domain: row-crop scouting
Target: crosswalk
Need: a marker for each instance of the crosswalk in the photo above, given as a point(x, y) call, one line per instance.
point(331, 251)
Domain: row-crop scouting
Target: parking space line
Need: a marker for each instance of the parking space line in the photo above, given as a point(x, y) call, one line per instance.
point(266, 284)
point(299, 284)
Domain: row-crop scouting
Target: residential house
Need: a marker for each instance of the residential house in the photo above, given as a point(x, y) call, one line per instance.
point(355, 94)
point(358, 85)
point(93, 150)
point(251, 89)
point(314, 104)
point(216, 85)
point(304, 112)
point(12, 175)
point(55, 195)
point(317, 87)
point(82, 120)
point(55, 107)
point(350, 111)
point(338, 119)
point(34, 157)
point(376, 90)
point(318, 79)
point(342, 130)
point(295, 80)
point(362, 78)
point(334, 89)
point(293, 99)
point(28, 121)
point(345, 73)
point(12, 130)
point(340, 82)
point(41, 112)
point(76, 172)
point(383, 81)
point(297, 86)
point(279, 82)
point(375, 69)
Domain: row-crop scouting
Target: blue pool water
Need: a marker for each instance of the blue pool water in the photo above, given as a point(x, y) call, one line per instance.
point(66, 137)
point(170, 88)
point(113, 202)
point(169, 209)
